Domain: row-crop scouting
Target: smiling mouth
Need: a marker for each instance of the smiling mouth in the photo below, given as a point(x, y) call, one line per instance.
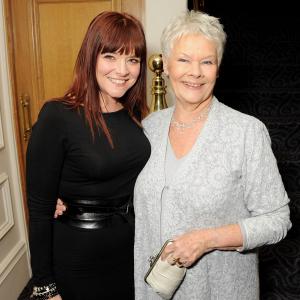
point(192, 84)
point(117, 81)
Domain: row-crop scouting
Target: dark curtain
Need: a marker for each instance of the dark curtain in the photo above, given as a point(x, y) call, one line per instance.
point(260, 75)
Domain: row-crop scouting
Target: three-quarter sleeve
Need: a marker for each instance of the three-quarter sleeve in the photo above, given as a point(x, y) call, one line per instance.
point(265, 195)
point(44, 161)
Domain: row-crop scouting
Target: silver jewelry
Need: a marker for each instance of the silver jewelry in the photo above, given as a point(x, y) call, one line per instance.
point(44, 292)
point(186, 125)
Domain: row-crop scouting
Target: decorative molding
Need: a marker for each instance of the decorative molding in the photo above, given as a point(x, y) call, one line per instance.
point(11, 259)
point(5, 202)
point(10, 187)
point(1, 134)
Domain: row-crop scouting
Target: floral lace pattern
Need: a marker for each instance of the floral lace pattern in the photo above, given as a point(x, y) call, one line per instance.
point(230, 176)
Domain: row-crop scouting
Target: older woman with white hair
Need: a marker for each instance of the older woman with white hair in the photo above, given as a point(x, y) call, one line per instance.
point(212, 183)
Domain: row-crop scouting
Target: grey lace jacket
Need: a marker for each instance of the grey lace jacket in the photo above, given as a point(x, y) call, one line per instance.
point(230, 176)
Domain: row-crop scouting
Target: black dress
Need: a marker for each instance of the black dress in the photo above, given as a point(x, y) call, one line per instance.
point(63, 160)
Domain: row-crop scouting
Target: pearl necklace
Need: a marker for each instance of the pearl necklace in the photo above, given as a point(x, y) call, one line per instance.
point(187, 125)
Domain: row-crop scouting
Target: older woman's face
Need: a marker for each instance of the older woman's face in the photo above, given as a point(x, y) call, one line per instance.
point(192, 67)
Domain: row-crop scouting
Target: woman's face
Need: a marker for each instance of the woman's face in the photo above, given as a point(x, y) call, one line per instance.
point(192, 67)
point(116, 73)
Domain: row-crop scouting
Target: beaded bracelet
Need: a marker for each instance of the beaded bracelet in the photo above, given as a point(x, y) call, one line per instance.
point(44, 292)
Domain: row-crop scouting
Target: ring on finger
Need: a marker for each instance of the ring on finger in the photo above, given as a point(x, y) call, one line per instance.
point(182, 263)
point(174, 259)
point(178, 262)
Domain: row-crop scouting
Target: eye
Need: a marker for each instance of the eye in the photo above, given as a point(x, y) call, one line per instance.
point(108, 56)
point(134, 60)
point(208, 62)
point(184, 60)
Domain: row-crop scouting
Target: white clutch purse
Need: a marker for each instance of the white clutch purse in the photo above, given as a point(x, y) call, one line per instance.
point(163, 277)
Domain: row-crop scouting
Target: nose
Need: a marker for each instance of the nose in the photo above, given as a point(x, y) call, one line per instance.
point(121, 67)
point(196, 69)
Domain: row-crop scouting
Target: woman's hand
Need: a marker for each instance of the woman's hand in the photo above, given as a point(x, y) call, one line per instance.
point(57, 297)
point(187, 248)
point(60, 208)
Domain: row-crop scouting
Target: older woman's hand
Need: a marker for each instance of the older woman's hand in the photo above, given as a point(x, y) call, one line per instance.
point(187, 248)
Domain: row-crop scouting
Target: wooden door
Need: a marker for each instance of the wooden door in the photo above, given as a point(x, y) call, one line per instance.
point(44, 39)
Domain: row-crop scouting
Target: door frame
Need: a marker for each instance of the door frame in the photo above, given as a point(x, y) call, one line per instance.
point(14, 265)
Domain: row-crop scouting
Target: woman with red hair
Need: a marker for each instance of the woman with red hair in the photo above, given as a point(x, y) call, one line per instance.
point(87, 149)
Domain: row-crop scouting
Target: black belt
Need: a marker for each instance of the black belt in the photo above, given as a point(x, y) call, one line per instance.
point(96, 214)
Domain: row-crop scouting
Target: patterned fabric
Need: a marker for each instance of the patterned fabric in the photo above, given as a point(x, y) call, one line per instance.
point(230, 176)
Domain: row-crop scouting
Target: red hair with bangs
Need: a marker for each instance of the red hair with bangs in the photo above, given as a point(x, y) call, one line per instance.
point(108, 32)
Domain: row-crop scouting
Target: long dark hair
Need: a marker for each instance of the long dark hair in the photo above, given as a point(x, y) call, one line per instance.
point(108, 32)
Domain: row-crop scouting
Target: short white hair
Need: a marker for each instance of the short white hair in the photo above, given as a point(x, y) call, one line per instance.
point(194, 22)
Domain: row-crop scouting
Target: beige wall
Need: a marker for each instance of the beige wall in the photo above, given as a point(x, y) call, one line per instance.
point(14, 256)
point(157, 15)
